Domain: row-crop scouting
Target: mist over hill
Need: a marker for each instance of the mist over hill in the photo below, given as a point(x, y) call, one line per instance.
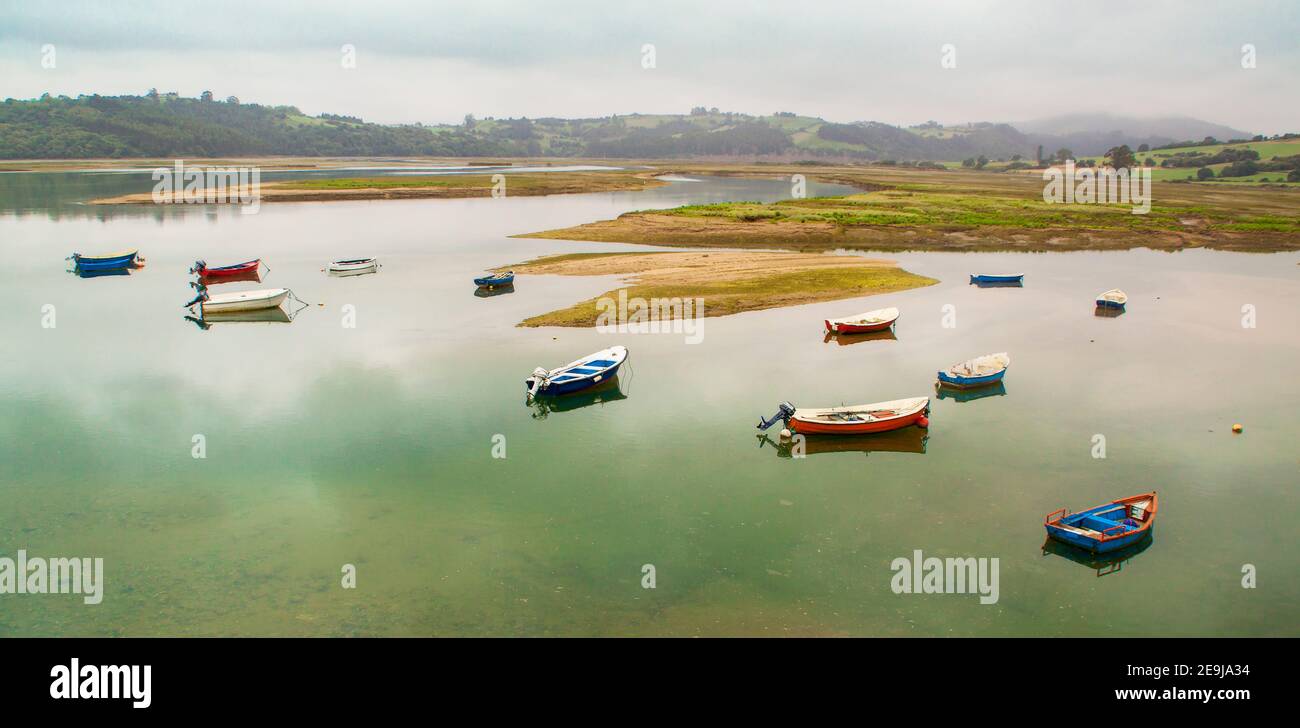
point(167, 125)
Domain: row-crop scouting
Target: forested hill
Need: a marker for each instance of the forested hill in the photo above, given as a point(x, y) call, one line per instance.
point(167, 125)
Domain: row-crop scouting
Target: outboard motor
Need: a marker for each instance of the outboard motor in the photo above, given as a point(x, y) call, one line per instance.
point(536, 381)
point(783, 413)
point(201, 297)
point(198, 267)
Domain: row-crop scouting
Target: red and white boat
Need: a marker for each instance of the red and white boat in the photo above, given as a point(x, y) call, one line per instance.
point(854, 419)
point(226, 271)
point(863, 323)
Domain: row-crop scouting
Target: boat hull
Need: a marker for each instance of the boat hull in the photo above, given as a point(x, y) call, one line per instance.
point(837, 328)
point(949, 380)
point(581, 384)
point(493, 281)
point(806, 427)
point(228, 303)
point(1103, 303)
point(1093, 545)
point(348, 266)
point(227, 271)
point(108, 262)
point(986, 278)
point(1101, 529)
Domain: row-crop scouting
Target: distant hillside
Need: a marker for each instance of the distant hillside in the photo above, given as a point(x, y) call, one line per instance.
point(166, 125)
point(1094, 133)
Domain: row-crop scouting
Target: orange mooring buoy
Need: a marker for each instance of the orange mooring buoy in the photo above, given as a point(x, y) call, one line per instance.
point(1236, 427)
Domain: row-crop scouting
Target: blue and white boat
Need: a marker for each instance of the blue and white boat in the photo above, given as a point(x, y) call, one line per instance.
point(1104, 528)
point(110, 261)
point(976, 372)
point(576, 376)
point(1114, 298)
point(496, 279)
point(997, 277)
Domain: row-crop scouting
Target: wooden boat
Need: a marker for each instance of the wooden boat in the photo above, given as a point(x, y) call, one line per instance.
point(1105, 528)
point(863, 323)
point(997, 277)
point(855, 419)
point(976, 372)
point(353, 265)
point(1114, 298)
point(226, 271)
point(108, 261)
point(496, 279)
point(575, 376)
point(238, 301)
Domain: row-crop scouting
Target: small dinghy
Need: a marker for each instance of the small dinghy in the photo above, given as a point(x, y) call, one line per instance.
point(1114, 298)
point(226, 271)
point(977, 372)
point(1108, 527)
point(997, 277)
point(584, 373)
point(496, 279)
point(109, 261)
point(852, 419)
point(863, 323)
point(354, 265)
point(239, 301)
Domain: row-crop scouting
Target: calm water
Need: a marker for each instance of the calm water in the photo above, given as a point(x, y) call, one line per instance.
point(372, 445)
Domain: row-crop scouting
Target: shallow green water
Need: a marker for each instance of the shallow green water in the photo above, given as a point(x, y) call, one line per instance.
point(372, 445)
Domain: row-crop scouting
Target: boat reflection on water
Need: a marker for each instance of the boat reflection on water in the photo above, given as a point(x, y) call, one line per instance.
point(607, 391)
point(1104, 564)
point(998, 284)
point(252, 276)
point(908, 439)
point(485, 292)
point(968, 394)
point(850, 339)
point(275, 315)
point(1108, 312)
point(83, 273)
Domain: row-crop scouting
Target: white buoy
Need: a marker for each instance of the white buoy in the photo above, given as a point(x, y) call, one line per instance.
point(785, 433)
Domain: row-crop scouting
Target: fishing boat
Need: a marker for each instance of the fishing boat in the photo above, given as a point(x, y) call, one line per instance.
point(997, 277)
point(575, 376)
point(226, 271)
point(353, 265)
point(855, 419)
point(1114, 298)
point(1105, 528)
point(238, 301)
point(976, 372)
point(109, 261)
point(863, 323)
point(496, 279)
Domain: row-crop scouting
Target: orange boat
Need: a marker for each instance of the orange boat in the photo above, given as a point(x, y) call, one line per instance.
point(852, 419)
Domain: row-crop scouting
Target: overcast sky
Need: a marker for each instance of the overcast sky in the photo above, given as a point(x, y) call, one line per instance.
point(845, 61)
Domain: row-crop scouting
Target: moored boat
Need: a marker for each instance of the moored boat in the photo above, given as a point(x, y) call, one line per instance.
point(586, 372)
point(225, 271)
point(1114, 298)
point(239, 300)
point(496, 279)
point(997, 277)
point(976, 372)
point(855, 419)
point(863, 323)
point(108, 261)
point(353, 265)
point(1104, 528)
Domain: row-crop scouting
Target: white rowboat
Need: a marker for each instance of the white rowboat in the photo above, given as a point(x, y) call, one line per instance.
point(245, 300)
point(355, 264)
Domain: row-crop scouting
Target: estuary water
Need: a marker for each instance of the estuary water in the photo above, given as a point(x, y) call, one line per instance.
point(326, 446)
